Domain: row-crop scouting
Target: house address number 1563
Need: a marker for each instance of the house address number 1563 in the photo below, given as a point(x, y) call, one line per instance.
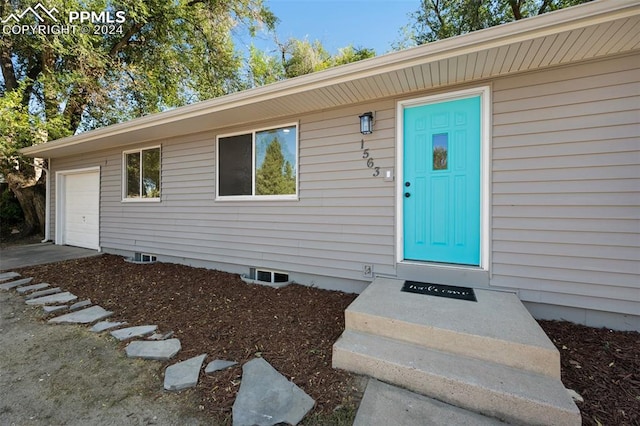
point(370, 162)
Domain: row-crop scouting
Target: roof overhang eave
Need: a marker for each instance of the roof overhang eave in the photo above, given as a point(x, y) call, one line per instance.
point(139, 130)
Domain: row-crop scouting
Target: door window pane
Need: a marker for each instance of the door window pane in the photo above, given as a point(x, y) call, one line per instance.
point(440, 151)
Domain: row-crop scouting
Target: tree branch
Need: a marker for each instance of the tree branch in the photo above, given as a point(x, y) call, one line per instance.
point(8, 72)
point(515, 8)
point(126, 38)
point(32, 75)
point(543, 7)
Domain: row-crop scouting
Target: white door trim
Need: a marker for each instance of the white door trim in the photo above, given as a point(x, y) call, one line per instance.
point(60, 201)
point(485, 168)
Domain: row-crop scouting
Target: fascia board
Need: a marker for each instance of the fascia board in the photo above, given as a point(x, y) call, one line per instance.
point(514, 32)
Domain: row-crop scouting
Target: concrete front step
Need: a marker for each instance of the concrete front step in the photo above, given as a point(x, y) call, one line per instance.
point(384, 405)
point(496, 328)
point(494, 390)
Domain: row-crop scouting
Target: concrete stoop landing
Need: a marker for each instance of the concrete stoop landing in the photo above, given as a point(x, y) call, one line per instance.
point(489, 357)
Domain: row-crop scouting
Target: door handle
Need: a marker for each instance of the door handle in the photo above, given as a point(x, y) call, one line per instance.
point(407, 195)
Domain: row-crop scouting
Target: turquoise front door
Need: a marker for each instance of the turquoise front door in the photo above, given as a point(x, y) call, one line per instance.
point(441, 185)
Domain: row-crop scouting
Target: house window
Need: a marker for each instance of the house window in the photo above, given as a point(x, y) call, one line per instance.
point(260, 164)
point(268, 276)
point(142, 174)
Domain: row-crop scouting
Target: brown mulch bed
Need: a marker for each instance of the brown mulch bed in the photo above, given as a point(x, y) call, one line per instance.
point(294, 329)
point(603, 366)
point(216, 313)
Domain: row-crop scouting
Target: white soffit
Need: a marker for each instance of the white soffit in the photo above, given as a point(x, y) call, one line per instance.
point(592, 30)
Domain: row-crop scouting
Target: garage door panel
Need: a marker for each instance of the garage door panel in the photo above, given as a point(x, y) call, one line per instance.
point(80, 209)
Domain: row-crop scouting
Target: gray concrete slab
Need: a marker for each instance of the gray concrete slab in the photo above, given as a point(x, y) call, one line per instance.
point(160, 336)
point(14, 284)
point(34, 287)
point(84, 316)
point(80, 305)
point(514, 395)
point(106, 325)
point(496, 328)
point(54, 308)
point(383, 405)
point(53, 298)
point(183, 375)
point(40, 254)
point(218, 364)
point(137, 331)
point(162, 350)
point(267, 398)
point(41, 293)
point(8, 275)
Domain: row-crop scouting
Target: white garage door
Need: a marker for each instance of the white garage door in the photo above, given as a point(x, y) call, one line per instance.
point(80, 215)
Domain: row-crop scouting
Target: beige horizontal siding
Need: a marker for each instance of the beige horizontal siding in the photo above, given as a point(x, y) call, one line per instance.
point(344, 217)
point(566, 185)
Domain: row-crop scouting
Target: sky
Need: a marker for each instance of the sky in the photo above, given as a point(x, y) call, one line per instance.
point(374, 24)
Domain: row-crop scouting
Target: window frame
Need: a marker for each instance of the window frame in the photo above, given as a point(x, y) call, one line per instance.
point(253, 196)
point(140, 199)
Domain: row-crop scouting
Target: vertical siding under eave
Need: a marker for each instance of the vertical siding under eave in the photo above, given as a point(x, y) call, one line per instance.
point(566, 185)
point(344, 217)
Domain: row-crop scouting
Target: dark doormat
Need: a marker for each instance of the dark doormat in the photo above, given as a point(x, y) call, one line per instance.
point(440, 290)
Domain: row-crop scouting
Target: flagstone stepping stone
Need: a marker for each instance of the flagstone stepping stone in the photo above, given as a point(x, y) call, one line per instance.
point(161, 350)
point(183, 375)
point(79, 305)
point(106, 325)
point(14, 284)
point(218, 364)
point(84, 316)
point(8, 275)
point(53, 298)
point(43, 293)
point(160, 336)
point(33, 287)
point(55, 308)
point(137, 331)
point(267, 398)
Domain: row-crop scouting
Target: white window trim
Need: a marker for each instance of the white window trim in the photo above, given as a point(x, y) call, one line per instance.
point(126, 199)
point(284, 197)
point(485, 170)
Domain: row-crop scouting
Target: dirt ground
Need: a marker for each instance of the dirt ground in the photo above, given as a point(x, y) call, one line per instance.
point(217, 313)
point(292, 328)
point(66, 375)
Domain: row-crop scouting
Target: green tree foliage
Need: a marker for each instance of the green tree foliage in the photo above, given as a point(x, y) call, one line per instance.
point(298, 57)
point(440, 19)
point(165, 54)
point(275, 176)
point(263, 68)
point(305, 57)
point(349, 54)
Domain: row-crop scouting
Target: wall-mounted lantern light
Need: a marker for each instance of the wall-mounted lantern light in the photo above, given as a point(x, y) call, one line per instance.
point(366, 123)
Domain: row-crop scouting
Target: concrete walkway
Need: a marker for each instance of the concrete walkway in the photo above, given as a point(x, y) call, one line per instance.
point(39, 254)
